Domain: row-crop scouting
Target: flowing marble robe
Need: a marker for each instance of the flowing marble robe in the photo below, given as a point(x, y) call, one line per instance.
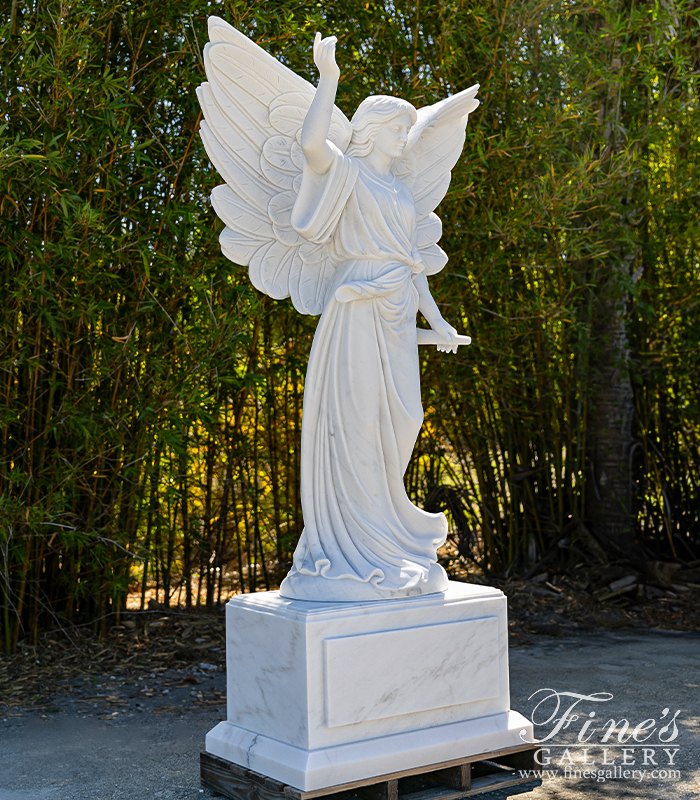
point(363, 538)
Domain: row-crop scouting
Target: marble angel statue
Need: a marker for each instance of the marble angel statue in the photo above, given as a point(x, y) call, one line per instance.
point(338, 215)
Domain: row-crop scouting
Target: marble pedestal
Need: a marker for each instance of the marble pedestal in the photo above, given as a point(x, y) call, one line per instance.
point(321, 694)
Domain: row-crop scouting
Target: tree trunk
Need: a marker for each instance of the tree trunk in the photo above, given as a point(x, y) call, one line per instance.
point(609, 512)
point(610, 414)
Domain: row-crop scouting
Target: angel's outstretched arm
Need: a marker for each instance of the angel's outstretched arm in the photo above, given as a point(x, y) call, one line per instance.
point(314, 133)
point(428, 308)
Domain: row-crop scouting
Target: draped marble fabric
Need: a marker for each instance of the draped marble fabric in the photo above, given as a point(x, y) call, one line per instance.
point(363, 538)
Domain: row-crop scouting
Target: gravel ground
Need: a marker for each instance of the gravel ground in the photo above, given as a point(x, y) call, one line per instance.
point(132, 736)
point(646, 672)
point(138, 734)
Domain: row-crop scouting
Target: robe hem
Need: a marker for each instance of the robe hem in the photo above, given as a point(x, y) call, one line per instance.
point(316, 588)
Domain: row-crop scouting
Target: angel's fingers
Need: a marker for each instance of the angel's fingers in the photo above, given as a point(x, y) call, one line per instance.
point(329, 49)
point(317, 43)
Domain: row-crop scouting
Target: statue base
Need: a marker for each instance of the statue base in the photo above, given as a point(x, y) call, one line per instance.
point(322, 694)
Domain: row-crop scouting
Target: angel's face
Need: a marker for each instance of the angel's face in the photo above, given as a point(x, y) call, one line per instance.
point(392, 138)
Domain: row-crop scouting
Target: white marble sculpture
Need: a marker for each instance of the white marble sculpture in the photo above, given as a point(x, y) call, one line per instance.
point(338, 216)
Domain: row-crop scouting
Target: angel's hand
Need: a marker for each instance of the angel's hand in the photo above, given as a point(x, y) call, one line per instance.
point(447, 332)
point(324, 57)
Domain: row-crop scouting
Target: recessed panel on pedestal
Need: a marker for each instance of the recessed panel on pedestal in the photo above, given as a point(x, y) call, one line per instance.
point(390, 673)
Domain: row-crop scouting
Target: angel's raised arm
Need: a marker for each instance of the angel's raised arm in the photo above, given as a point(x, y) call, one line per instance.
point(314, 133)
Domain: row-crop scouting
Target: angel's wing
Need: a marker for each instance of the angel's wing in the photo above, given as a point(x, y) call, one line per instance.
point(434, 145)
point(254, 108)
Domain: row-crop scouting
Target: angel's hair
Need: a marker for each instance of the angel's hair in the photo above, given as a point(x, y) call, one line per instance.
point(371, 116)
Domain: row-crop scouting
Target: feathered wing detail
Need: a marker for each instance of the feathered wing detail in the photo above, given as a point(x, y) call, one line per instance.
point(434, 145)
point(254, 108)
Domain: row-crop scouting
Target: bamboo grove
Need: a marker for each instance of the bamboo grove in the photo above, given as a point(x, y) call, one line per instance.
point(150, 399)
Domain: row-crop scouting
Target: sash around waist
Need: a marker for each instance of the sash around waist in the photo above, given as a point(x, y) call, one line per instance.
point(394, 278)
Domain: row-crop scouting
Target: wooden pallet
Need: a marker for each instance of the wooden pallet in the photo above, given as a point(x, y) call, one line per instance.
point(449, 780)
